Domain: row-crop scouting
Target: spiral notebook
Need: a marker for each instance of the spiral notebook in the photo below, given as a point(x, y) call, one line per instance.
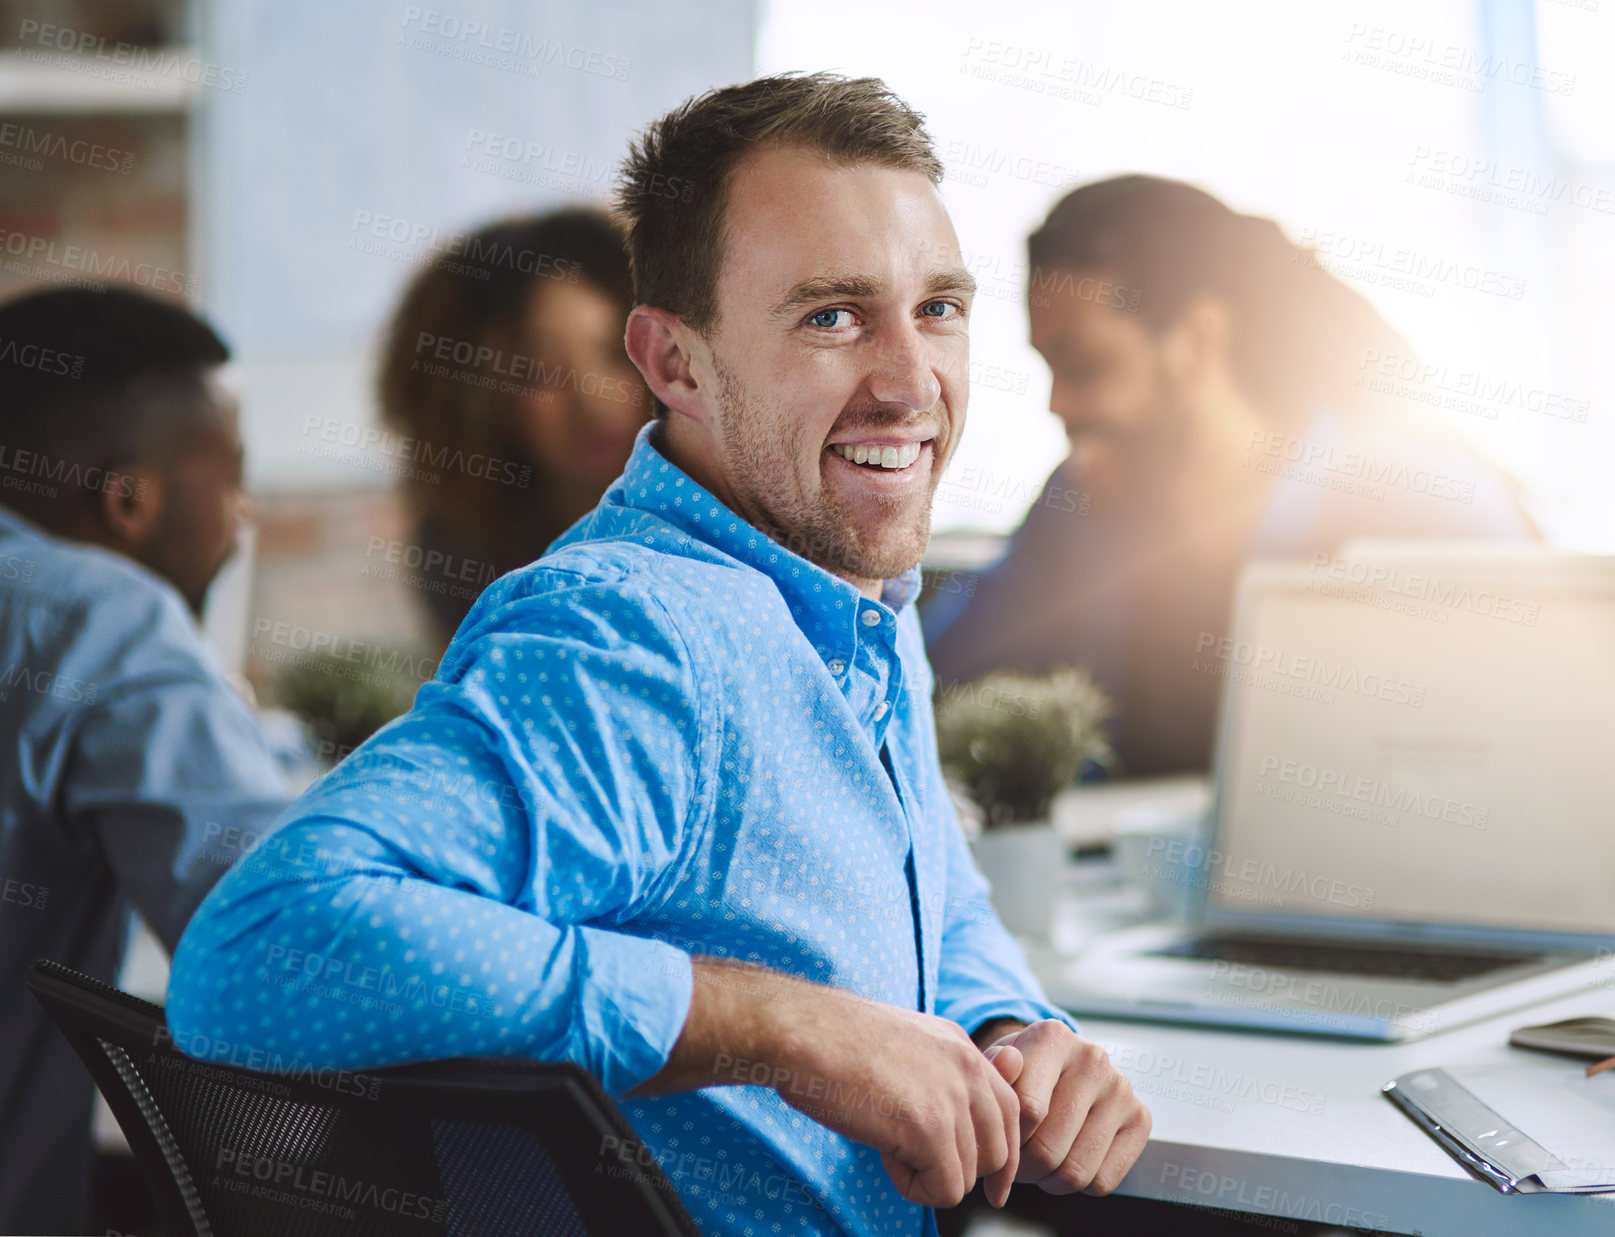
point(1524, 1126)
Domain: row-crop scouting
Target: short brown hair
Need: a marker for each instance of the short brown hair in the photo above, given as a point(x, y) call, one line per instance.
point(672, 190)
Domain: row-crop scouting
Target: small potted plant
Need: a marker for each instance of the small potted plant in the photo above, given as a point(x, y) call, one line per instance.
point(1011, 742)
point(341, 706)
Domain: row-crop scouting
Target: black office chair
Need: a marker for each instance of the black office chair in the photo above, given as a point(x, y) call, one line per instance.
point(466, 1147)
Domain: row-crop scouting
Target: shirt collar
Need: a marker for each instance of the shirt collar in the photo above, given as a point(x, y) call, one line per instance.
point(825, 606)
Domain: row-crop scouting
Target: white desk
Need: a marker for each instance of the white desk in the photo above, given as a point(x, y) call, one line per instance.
point(1287, 1125)
point(1291, 1126)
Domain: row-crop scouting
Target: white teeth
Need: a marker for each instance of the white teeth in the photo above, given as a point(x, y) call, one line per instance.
point(881, 457)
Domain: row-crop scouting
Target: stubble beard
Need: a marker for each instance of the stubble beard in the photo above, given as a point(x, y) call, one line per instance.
point(823, 533)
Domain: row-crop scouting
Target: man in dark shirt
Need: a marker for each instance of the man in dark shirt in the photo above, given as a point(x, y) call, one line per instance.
point(1218, 388)
point(132, 772)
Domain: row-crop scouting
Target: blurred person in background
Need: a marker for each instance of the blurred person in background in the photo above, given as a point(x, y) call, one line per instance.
point(132, 771)
point(512, 354)
point(1216, 385)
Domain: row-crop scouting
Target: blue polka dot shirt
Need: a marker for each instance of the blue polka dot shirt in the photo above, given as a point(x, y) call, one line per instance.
point(668, 736)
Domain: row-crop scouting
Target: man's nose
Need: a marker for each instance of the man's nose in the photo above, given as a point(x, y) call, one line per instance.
point(904, 371)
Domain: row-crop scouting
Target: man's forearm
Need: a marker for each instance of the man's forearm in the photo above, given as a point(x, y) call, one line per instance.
point(745, 1015)
point(911, 1085)
point(738, 1013)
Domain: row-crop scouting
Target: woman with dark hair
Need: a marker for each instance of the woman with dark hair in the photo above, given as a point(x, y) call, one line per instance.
point(1220, 390)
point(505, 364)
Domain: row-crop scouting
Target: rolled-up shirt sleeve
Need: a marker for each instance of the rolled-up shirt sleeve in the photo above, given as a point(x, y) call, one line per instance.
point(461, 885)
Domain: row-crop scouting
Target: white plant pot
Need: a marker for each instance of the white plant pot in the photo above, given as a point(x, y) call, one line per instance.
point(1024, 864)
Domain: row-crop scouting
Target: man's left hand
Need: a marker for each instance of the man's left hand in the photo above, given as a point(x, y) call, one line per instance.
point(1081, 1125)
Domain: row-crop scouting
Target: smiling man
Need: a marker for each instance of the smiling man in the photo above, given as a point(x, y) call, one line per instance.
point(825, 402)
point(671, 808)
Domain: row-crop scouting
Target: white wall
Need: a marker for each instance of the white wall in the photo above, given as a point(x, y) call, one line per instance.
point(365, 111)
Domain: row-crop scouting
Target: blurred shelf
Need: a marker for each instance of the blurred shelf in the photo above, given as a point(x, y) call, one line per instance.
point(64, 84)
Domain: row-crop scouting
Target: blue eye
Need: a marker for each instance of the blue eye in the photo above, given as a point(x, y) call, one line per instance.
point(944, 306)
point(818, 318)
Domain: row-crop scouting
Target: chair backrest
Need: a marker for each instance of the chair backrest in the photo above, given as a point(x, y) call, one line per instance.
point(465, 1147)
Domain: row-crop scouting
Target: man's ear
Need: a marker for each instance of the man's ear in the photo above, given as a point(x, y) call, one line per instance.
point(129, 504)
point(663, 348)
point(1197, 346)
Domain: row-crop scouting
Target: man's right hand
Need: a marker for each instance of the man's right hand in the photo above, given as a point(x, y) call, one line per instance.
point(913, 1086)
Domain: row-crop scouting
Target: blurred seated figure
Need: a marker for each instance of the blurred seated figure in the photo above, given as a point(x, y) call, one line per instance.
point(510, 359)
point(130, 771)
point(1217, 388)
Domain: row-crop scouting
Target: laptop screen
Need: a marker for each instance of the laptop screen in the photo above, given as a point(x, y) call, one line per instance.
point(1426, 741)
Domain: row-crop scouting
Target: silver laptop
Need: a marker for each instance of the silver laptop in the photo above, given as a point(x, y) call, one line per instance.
point(1414, 816)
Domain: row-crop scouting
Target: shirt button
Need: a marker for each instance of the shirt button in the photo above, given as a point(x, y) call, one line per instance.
point(880, 710)
point(871, 618)
point(837, 666)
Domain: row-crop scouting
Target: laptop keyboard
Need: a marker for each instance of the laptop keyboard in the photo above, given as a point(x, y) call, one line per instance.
point(1353, 958)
